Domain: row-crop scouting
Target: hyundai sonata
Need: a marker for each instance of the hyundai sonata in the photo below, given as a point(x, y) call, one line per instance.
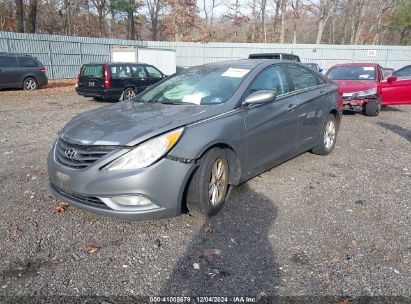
point(183, 141)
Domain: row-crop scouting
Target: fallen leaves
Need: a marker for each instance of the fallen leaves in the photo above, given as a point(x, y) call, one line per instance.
point(208, 228)
point(84, 252)
point(16, 232)
point(210, 254)
point(61, 207)
point(89, 249)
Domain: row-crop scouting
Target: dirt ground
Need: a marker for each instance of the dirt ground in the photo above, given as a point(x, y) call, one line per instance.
point(314, 226)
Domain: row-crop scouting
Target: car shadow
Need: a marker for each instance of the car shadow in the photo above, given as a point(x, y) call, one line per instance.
point(390, 109)
point(232, 253)
point(405, 133)
point(346, 112)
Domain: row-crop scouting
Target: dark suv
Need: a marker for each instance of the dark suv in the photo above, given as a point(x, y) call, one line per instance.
point(116, 81)
point(21, 71)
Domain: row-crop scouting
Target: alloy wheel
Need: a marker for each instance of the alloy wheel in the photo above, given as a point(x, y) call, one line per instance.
point(218, 183)
point(30, 84)
point(130, 94)
point(329, 134)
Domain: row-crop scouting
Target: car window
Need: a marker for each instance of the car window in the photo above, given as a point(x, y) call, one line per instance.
point(301, 77)
point(153, 72)
point(8, 62)
point(27, 62)
point(95, 71)
point(138, 71)
point(404, 72)
point(120, 71)
point(272, 79)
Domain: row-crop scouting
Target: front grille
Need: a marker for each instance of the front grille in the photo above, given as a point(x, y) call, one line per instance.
point(86, 200)
point(80, 156)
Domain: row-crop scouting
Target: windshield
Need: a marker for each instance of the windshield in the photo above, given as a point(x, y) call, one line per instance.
point(352, 73)
point(201, 86)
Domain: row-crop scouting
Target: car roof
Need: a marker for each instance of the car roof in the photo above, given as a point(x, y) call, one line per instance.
point(271, 54)
point(358, 64)
point(247, 63)
point(15, 54)
point(114, 63)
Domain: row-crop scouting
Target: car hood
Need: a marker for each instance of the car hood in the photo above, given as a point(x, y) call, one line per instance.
point(128, 123)
point(348, 86)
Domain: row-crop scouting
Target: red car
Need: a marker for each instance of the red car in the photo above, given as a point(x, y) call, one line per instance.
point(358, 83)
point(396, 89)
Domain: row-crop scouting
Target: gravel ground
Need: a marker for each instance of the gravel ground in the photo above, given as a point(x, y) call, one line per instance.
point(314, 226)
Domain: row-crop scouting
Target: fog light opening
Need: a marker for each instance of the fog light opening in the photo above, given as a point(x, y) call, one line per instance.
point(128, 200)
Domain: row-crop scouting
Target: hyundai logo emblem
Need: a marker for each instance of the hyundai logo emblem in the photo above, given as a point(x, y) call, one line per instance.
point(70, 153)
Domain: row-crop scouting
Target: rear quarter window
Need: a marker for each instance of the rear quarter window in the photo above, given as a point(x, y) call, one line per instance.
point(27, 62)
point(8, 62)
point(96, 71)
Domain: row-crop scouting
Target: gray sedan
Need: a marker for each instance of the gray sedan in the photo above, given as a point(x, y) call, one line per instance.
point(180, 144)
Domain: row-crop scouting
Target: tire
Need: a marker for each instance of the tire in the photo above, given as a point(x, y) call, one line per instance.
point(30, 84)
point(129, 93)
point(98, 98)
point(328, 136)
point(373, 108)
point(206, 194)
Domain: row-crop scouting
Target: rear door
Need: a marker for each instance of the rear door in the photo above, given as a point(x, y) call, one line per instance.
point(140, 77)
point(271, 128)
point(311, 93)
point(9, 74)
point(92, 77)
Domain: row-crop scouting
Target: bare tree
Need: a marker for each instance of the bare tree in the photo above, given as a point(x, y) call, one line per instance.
point(325, 8)
point(20, 16)
point(155, 7)
point(283, 12)
point(263, 6)
point(101, 7)
point(295, 4)
point(31, 28)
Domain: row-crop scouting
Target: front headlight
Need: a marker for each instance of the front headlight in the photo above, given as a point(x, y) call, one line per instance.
point(146, 153)
point(366, 93)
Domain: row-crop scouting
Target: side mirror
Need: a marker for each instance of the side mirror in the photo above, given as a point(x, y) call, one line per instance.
point(259, 97)
point(320, 70)
point(392, 78)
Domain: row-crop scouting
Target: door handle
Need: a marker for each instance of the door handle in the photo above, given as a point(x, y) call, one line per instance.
point(292, 107)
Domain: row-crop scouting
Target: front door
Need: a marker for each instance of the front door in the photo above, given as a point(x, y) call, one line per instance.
point(271, 128)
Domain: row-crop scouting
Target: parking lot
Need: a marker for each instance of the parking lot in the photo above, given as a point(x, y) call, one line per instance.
point(335, 225)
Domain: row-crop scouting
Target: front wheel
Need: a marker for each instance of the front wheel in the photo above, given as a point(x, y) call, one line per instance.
point(328, 136)
point(373, 108)
point(208, 187)
point(30, 84)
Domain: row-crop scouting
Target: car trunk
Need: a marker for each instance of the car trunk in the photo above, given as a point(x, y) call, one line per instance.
point(92, 77)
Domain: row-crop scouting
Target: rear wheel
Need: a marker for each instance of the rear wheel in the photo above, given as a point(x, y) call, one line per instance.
point(373, 108)
point(129, 93)
point(328, 136)
point(30, 84)
point(208, 188)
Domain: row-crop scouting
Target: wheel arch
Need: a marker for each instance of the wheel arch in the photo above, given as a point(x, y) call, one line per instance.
point(234, 168)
